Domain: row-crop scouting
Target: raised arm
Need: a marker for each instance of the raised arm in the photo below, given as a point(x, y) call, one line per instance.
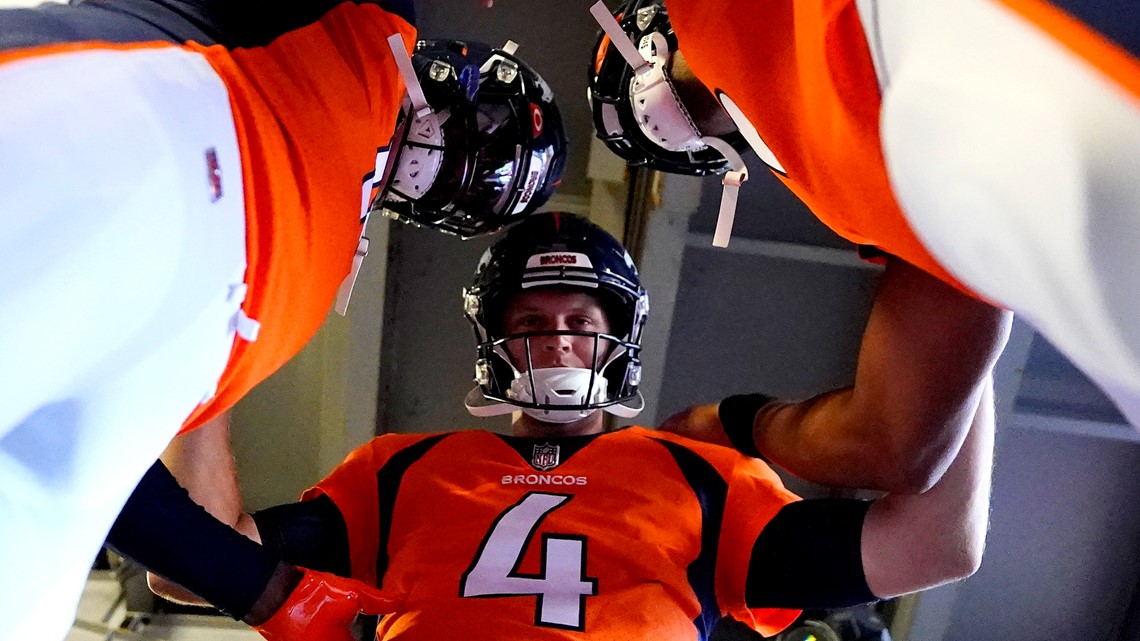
point(311, 534)
point(915, 542)
point(925, 355)
point(830, 553)
point(171, 535)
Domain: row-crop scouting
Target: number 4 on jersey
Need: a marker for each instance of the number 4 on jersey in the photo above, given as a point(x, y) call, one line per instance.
point(561, 584)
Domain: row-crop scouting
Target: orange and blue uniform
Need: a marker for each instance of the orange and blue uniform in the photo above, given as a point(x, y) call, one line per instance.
point(802, 74)
point(810, 90)
point(564, 537)
point(985, 141)
point(314, 107)
point(314, 94)
point(181, 196)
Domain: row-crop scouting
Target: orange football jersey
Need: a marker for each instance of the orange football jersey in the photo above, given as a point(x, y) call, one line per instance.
point(314, 108)
point(801, 73)
point(634, 534)
point(315, 95)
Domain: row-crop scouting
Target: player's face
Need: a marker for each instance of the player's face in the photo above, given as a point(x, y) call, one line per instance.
point(545, 310)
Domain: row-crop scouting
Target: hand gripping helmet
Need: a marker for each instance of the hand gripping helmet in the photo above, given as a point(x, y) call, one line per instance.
point(479, 144)
point(639, 114)
point(637, 111)
point(568, 252)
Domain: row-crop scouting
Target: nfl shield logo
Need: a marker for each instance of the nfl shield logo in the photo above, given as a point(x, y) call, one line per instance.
point(545, 457)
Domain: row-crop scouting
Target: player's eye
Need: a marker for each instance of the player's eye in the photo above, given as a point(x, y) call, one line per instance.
point(529, 321)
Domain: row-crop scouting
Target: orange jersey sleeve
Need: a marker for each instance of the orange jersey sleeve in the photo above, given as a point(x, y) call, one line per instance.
point(315, 96)
point(801, 74)
point(314, 108)
point(754, 495)
point(354, 486)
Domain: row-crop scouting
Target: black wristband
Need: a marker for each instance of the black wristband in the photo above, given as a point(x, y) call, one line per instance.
point(737, 414)
point(311, 534)
point(163, 529)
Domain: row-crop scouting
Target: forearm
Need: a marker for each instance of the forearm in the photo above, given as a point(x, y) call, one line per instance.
point(166, 532)
point(173, 591)
point(818, 439)
point(312, 534)
point(830, 439)
point(822, 439)
point(926, 353)
point(203, 464)
point(914, 542)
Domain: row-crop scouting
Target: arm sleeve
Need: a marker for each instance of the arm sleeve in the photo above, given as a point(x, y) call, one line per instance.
point(809, 556)
point(163, 529)
point(311, 534)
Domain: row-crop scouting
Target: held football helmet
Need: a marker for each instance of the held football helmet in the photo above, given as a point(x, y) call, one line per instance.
point(479, 144)
point(639, 114)
point(637, 111)
point(564, 251)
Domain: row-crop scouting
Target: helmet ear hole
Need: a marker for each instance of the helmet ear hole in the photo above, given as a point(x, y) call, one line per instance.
point(616, 311)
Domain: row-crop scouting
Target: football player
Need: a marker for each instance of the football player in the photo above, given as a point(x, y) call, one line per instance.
point(561, 530)
point(683, 89)
point(183, 193)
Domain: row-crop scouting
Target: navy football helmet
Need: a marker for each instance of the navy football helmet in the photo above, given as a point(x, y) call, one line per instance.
point(568, 252)
point(480, 142)
point(637, 111)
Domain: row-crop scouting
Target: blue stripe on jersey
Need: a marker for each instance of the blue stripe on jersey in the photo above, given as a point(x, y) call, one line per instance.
point(388, 486)
point(1115, 19)
point(711, 491)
